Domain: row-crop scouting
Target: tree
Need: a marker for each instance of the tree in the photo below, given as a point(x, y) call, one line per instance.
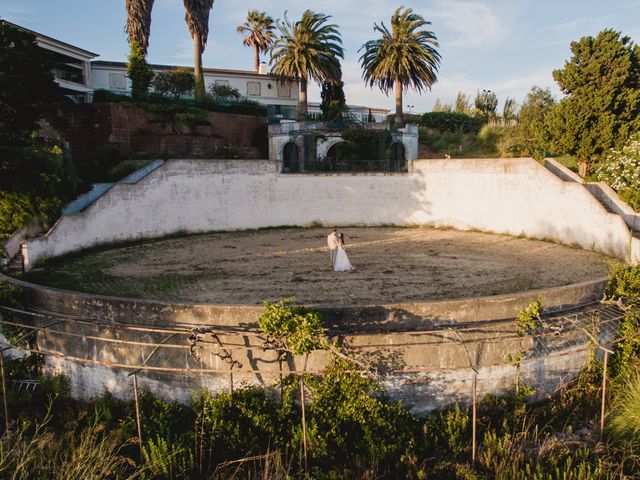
point(462, 104)
point(176, 82)
point(224, 93)
point(333, 101)
point(258, 33)
point(138, 28)
point(308, 49)
point(404, 57)
point(139, 71)
point(197, 18)
point(26, 84)
point(35, 174)
point(509, 110)
point(486, 103)
point(438, 106)
point(601, 108)
point(532, 134)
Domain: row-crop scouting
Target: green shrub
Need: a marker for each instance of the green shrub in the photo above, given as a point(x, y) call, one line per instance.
point(451, 122)
point(139, 71)
point(176, 82)
point(292, 328)
point(528, 320)
point(621, 170)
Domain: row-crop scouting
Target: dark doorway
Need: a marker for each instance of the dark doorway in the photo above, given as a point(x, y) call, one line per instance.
point(291, 158)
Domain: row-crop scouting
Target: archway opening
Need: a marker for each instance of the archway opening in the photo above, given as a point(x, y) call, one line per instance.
point(397, 159)
point(290, 158)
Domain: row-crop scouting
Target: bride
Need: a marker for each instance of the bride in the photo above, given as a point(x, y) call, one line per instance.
point(342, 263)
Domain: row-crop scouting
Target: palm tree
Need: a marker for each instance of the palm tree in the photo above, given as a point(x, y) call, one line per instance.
point(138, 26)
point(405, 57)
point(307, 49)
point(258, 33)
point(197, 18)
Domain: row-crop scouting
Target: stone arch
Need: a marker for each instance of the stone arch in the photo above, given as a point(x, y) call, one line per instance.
point(325, 144)
point(290, 157)
point(397, 158)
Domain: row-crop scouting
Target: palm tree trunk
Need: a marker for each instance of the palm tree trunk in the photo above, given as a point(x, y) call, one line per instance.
point(302, 108)
point(256, 57)
point(399, 117)
point(197, 67)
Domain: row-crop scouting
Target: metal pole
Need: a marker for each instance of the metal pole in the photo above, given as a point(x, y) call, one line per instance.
point(473, 441)
point(604, 393)
point(304, 424)
point(135, 394)
point(4, 393)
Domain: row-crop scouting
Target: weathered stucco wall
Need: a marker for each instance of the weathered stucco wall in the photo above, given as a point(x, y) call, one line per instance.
point(423, 352)
point(512, 196)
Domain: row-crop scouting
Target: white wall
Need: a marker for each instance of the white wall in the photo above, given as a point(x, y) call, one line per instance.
point(513, 196)
point(269, 96)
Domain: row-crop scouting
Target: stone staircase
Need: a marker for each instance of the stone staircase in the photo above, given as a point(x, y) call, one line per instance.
point(16, 264)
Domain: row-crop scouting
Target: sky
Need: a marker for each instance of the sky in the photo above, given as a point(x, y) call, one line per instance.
point(506, 46)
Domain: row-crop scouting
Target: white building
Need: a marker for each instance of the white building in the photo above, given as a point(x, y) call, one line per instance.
point(73, 72)
point(281, 98)
point(358, 113)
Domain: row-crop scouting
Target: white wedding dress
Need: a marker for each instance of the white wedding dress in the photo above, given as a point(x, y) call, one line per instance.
point(342, 263)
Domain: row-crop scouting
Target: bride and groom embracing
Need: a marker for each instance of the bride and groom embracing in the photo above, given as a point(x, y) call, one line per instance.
point(339, 259)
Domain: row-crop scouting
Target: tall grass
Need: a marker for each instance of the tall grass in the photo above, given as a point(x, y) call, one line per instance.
point(32, 451)
point(624, 417)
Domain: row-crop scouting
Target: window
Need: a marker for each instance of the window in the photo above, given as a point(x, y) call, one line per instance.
point(253, 88)
point(222, 82)
point(284, 90)
point(117, 81)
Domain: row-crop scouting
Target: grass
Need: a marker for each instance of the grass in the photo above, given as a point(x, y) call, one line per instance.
point(483, 144)
point(568, 161)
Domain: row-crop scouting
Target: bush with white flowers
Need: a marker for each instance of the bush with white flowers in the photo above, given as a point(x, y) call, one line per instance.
point(621, 170)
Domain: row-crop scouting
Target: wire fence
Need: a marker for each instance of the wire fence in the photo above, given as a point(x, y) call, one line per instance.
point(560, 334)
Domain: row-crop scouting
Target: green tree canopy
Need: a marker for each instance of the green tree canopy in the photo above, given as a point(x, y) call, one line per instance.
point(404, 57)
point(486, 103)
point(26, 84)
point(533, 138)
point(601, 109)
point(462, 104)
point(333, 101)
point(308, 49)
point(175, 82)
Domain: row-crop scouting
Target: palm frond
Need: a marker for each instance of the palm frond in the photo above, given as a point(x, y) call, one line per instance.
point(138, 26)
point(406, 54)
point(197, 18)
point(307, 49)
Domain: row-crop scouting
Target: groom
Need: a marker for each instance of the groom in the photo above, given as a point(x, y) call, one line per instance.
point(332, 243)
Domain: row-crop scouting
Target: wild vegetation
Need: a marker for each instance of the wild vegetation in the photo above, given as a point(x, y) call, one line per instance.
point(352, 429)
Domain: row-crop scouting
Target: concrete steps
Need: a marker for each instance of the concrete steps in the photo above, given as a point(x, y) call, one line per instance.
point(16, 264)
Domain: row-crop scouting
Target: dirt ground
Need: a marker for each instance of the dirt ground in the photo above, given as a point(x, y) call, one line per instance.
point(392, 265)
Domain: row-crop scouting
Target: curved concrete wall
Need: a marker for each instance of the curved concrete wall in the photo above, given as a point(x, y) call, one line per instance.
point(423, 351)
point(512, 196)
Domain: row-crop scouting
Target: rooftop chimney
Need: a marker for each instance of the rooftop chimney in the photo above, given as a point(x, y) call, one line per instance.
point(262, 69)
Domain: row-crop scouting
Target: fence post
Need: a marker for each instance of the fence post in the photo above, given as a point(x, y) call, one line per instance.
point(473, 441)
point(135, 394)
point(604, 392)
point(4, 392)
point(304, 424)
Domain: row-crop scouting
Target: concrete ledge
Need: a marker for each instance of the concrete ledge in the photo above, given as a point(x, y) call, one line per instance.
point(561, 171)
point(360, 318)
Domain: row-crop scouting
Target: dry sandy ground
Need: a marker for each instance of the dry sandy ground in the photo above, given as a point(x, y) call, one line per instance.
point(392, 265)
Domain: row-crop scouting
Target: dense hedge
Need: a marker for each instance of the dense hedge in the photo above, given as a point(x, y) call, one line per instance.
point(451, 122)
point(244, 107)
